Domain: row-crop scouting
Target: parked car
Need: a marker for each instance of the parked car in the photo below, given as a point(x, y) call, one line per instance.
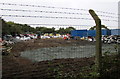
point(111, 39)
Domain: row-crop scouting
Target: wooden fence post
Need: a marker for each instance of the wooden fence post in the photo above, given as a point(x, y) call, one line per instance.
point(98, 55)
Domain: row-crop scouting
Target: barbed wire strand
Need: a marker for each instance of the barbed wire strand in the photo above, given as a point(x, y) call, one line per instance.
point(42, 6)
point(43, 11)
point(54, 12)
point(56, 7)
point(46, 17)
point(54, 17)
point(64, 25)
point(60, 25)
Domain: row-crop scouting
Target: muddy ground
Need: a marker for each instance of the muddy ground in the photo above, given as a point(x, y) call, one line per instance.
point(16, 67)
point(44, 43)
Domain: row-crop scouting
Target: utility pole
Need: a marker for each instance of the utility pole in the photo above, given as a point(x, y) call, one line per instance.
point(98, 55)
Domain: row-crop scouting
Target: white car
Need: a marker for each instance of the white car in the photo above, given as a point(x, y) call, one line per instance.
point(44, 37)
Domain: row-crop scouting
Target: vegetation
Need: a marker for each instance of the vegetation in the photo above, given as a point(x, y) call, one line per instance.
point(15, 28)
point(110, 70)
point(102, 26)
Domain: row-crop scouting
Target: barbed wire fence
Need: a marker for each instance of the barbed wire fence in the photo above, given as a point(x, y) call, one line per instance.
point(108, 14)
point(60, 52)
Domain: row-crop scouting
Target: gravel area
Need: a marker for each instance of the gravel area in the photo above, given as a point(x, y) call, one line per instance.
point(43, 54)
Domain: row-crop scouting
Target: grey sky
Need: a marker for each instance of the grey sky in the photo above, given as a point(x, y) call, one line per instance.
point(99, 5)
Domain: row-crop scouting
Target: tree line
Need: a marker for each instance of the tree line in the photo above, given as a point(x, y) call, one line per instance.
point(11, 28)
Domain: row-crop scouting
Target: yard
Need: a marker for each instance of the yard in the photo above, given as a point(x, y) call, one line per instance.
point(56, 59)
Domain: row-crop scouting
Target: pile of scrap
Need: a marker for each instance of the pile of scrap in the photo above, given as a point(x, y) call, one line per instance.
point(6, 50)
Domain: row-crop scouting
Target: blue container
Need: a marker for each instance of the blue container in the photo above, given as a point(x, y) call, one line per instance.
point(85, 33)
point(91, 33)
point(80, 33)
point(106, 32)
point(115, 32)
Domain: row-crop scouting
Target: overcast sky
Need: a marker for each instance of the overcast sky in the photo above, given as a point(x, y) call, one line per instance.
point(110, 6)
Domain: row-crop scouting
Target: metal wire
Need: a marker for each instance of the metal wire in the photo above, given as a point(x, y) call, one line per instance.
point(60, 25)
point(46, 17)
point(54, 17)
point(53, 12)
point(56, 7)
point(42, 6)
point(43, 11)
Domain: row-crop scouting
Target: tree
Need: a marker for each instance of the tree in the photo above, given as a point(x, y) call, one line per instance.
point(102, 26)
point(61, 31)
point(15, 28)
point(45, 29)
point(68, 30)
point(5, 28)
